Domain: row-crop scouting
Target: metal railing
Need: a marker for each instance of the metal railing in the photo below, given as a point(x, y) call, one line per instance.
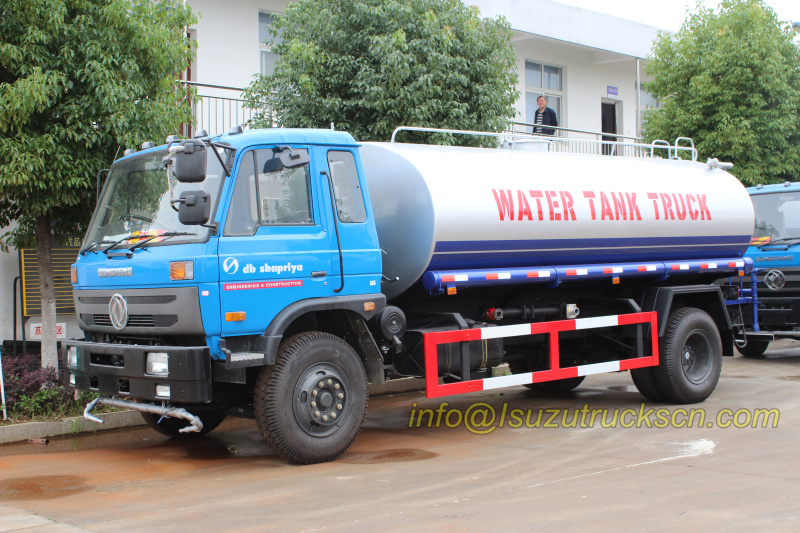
point(219, 108)
point(600, 143)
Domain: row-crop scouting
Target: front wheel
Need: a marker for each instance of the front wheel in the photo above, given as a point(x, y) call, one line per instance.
point(311, 403)
point(691, 357)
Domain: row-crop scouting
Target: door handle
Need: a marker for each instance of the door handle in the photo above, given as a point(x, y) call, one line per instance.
point(319, 274)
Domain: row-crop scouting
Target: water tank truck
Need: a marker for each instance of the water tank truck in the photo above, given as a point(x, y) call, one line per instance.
point(276, 273)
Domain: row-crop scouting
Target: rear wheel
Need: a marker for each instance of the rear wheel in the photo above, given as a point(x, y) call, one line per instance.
point(559, 385)
point(751, 348)
point(311, 404)
point(170, 427)
point(691, 357)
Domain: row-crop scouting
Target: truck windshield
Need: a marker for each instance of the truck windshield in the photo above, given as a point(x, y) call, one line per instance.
point(135, 204)
point(777, 217)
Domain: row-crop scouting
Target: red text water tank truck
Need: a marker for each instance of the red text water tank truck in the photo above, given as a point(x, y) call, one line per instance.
point(274, 273)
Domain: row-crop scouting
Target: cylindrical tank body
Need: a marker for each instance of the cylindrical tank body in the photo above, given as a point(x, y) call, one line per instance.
point(440, 208)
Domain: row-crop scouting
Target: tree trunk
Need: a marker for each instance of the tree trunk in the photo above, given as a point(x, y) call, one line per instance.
point(44, 245)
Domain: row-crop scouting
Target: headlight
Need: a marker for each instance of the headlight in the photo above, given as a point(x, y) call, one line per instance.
point(157, 364)
point(72, 357)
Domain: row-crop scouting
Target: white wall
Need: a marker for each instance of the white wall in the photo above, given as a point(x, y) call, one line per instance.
point(227, 39)
point(587, 74)
point(9, 269)
point(572, 25)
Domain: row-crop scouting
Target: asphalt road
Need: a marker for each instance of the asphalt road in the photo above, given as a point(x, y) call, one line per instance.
point(396, 478)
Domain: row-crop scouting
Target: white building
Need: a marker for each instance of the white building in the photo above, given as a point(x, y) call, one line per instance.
point(587, 64)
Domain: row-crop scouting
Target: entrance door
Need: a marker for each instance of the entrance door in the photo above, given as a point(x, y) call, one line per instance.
point(608, 123)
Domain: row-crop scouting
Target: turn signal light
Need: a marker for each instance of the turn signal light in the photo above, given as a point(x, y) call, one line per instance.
point(236, 316)
point(181, 270)
point(73, 274)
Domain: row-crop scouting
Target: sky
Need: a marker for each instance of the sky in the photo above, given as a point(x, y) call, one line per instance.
point(669, 14)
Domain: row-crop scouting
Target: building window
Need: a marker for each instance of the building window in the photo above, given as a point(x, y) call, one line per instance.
point(547, 80)
point(266, 43)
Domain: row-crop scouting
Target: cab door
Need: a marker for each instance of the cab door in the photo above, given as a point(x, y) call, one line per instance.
point(274, 248)
point(357, 268)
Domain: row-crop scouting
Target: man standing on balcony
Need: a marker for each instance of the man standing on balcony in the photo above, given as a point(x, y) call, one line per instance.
point(544, 116)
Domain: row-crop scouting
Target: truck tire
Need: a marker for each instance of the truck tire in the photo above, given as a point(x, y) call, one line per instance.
point(560, 385)
point(646, 383)
point(690, 358)
point(752, 348)
point(170, 427)
point(311, 403)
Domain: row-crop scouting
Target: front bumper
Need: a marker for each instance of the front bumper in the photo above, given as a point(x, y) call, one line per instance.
point(119, 370)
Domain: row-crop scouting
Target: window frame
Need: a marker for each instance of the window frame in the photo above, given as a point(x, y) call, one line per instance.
point(259, 223)
point(263, 46)
point(354, 183)
point(536, 92)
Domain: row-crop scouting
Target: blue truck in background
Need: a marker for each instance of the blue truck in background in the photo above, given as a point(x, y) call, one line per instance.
point(773, 312)
point(275, 274)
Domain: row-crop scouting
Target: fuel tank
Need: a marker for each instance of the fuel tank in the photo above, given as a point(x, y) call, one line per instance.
point(440, 207)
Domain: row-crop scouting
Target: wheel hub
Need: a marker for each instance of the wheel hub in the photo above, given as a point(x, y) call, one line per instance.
point(696, 356)
point(320, 399)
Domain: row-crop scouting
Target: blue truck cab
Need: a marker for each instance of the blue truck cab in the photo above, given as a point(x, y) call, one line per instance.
point(774, 313)
point(166, 305)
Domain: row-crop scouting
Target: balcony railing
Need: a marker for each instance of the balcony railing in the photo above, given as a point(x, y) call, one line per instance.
point(220, 108)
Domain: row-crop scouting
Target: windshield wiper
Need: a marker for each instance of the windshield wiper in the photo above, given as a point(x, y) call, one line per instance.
point(92, 246)
point(788, 241)
point(163, 235)
point(115, 243)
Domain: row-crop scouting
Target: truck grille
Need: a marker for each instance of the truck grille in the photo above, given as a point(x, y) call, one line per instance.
point(163, 311)
point(139, 321)
point(136, 321)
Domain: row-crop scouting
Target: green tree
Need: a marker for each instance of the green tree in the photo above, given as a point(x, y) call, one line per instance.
point(372, 65)
point(79, 80)
point(731, 81)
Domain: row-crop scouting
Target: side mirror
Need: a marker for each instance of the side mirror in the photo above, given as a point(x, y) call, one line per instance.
point(190, 161)
point(195, 208)
point(294, 158)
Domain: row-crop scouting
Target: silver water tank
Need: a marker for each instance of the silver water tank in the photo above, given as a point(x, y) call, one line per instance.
point(442, 207)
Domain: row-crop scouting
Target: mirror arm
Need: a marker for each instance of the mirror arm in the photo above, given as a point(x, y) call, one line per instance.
point(219, 158)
